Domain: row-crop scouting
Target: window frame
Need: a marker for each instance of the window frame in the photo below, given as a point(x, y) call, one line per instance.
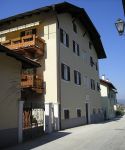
point(91, 61)
point(79, 114)
point(74, 27)
point(76, 49)
point(92, 82)
point(77, 77)
point(65, 72)
point(66, 116)
point(64, 37)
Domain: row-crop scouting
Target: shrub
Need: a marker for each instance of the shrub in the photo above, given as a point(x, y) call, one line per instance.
point(119, 112)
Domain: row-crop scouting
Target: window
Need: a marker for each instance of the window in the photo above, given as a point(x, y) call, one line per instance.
point(90, 45)
point(78, 112)
point(74, 27)
point(64, 38)
point(76, 48)
point(77, 77)
point(28, 32)
point(85, 57)
point(2, 38)
point(92, 84)
point(86, 82)
point(96, 66)
point(91, 61)
point(65, 70)
point(66, 114)
point(98, 86)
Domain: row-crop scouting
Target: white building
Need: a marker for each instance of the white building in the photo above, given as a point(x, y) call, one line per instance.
point(69, 61)
point(108, 98)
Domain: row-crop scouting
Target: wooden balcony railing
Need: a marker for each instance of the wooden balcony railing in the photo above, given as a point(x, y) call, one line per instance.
point(28, 43)
point(32, 81)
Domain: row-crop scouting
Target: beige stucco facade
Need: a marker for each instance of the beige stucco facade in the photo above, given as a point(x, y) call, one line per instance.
point(10, 91)
point(10, 95)
point(59, 94)
point(74, 96)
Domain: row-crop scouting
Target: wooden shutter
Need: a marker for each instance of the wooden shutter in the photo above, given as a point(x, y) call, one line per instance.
point(79, 78)
point(78, 50)
point(68, 69)
point(61, 35)
point(74, 46)
point(62, 71)
point(67, 40)
point(22, 34)
point(75, 76)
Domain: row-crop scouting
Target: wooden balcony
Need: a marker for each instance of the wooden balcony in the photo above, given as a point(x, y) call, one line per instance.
point(29, 45)
point(33, 82)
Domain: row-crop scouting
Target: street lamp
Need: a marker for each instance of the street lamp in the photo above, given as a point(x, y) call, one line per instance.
point(120, 24)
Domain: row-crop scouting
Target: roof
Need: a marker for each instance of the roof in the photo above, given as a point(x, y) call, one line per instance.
point(75, 12)
point(26, 62)
point(123, 3)
point(108, 83)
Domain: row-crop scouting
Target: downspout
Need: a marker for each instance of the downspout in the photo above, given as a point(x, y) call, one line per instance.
point(58, 66)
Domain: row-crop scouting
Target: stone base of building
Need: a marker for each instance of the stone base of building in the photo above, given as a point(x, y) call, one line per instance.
point(96, 118)
point(8, 137)
point(73, 122)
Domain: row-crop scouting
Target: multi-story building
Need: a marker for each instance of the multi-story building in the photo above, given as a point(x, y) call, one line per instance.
point(108, 98)
point(63, 39)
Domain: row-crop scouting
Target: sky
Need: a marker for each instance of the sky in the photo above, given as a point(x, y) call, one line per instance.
point(103, 14)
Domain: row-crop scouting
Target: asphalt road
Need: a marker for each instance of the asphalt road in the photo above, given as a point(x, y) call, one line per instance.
point(102, 136)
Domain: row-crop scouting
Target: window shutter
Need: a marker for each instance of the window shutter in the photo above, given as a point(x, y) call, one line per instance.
point(79, 79)
point(78, 50)
point(75, 76)
point(91, 61)
point(61, 35)
point(33, 31)
point(91, 83)
point(68, 69)
point(74, 27)
point(74, 46)
point(62, 70)
point(22, 34)
point(67, 40)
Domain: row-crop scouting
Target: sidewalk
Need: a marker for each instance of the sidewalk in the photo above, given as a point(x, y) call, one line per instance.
point(33, 143)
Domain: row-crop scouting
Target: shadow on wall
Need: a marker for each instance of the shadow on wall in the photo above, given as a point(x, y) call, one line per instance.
point(40, 141)
point(111, 120)
point(97, 118)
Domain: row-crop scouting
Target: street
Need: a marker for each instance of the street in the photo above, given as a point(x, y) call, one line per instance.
point(103, 136)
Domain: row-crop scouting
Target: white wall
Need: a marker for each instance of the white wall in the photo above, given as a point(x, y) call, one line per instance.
point(104, 91)
point(9, 91)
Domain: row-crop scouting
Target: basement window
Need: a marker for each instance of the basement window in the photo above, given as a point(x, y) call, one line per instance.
point(66, 114)
point(78, 112)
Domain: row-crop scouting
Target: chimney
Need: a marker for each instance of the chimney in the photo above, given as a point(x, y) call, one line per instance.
point(103, 77)
point(107, 80)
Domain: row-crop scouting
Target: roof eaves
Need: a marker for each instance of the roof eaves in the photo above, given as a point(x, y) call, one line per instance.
point(82, 15)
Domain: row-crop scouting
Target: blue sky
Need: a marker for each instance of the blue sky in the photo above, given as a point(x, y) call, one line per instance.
point(103, 14)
